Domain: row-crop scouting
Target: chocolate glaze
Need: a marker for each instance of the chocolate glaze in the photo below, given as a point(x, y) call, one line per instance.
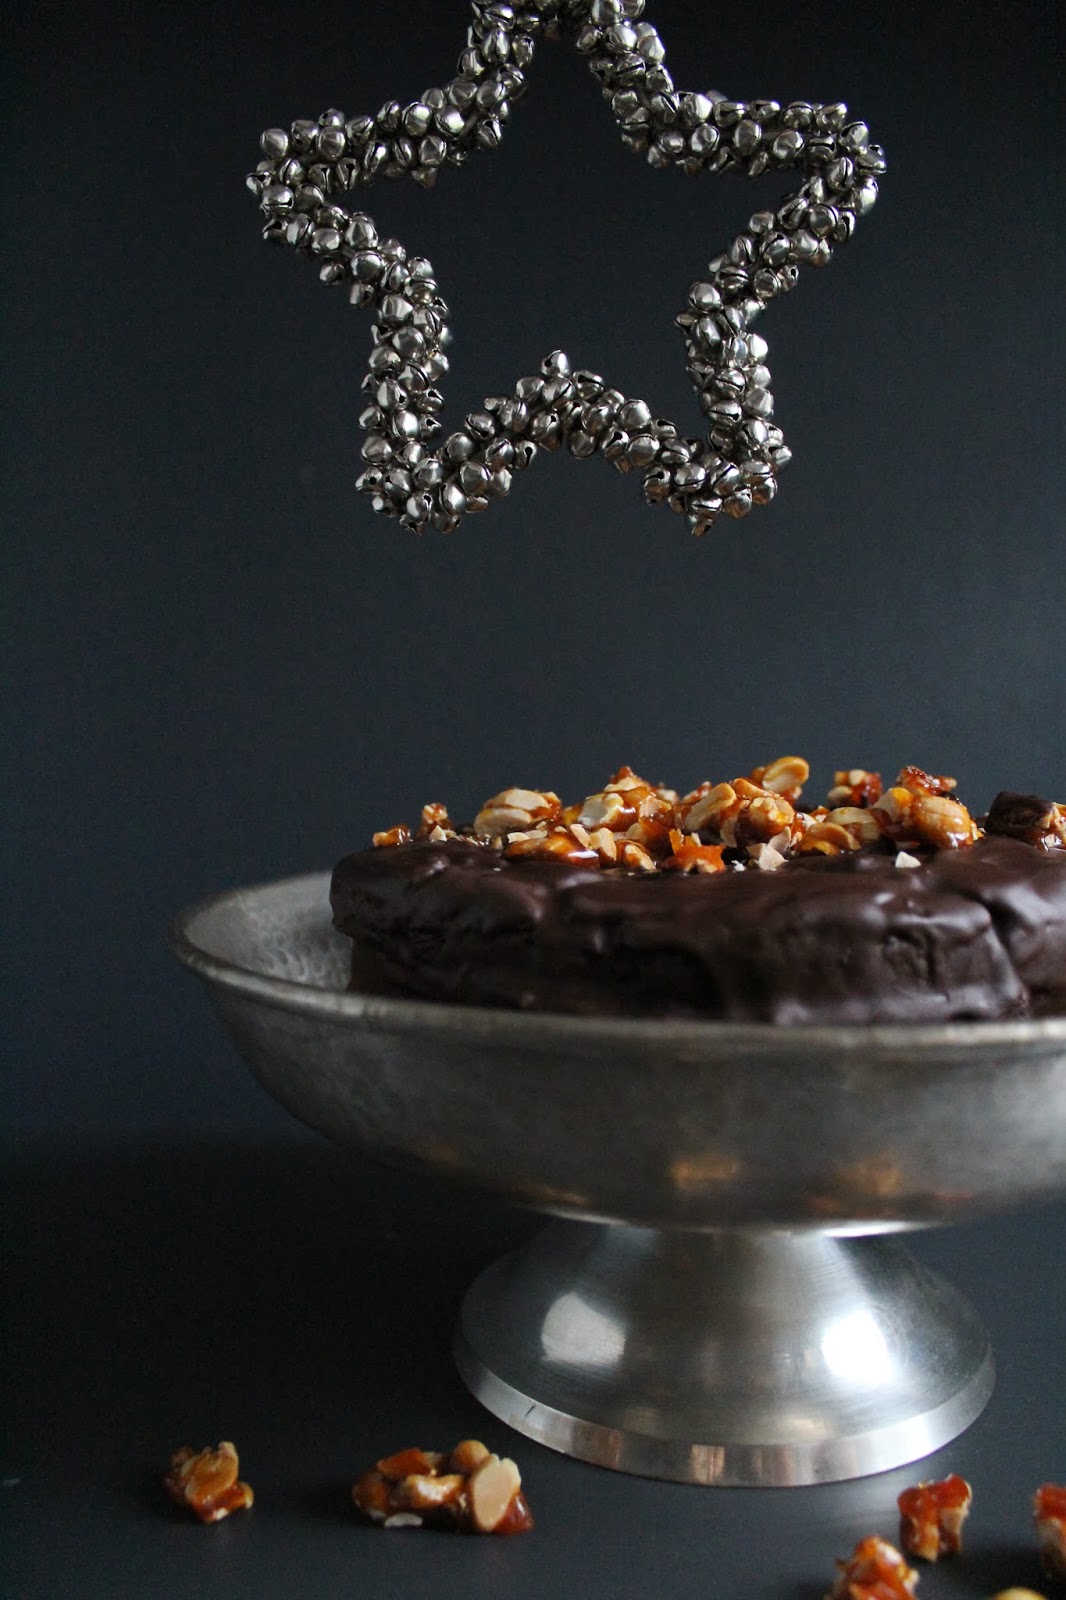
point(976, 933)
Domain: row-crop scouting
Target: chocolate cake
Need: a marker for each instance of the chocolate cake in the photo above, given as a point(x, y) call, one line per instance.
point(882, 911)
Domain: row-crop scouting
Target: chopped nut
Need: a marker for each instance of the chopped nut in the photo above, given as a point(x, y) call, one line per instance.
point(515, 808)
point(604, 842)
point(392, 836)
point(468, 1454)
point(634, 856)
point(631, 824)
point(943, 822)
point(653, 833)
point(762, 818)
point(206, 1482)
point(858, 822)
point(919, 782)
point(405, 1462)
point(602, 810)
point(516, 1519)
point(854, 786)
point(492, 1487)
point(468, 1489)
point(746, 789)
point(626, 779)
point(828, 838)
point(710, 807)
point(436, 822)
point(690, 855)
point(932, 1515)
point(427, 1491)
point(785, 776)
point(558, 844)
point(1049, 1516)
point(875, 1570)
point(892, 811)
point(768, 858)
point(740, 813)
point(372, 1494)
point(624, 800)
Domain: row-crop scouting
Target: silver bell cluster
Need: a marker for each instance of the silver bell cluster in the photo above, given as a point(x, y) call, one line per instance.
point(423, 481)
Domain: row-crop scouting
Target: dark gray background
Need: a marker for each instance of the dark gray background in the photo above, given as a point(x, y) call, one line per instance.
point(224, 667)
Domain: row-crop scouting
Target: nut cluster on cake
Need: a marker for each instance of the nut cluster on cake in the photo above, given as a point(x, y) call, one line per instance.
point(754, 821)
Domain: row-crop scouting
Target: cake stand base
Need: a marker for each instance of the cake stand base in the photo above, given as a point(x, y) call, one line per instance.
point(724, 1358)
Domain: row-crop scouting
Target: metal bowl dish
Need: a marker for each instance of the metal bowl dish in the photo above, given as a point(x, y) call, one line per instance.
point(714, 1306)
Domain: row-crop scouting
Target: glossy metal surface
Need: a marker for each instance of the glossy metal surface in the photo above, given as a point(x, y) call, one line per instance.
point(786, 1138)
point(726, 1358)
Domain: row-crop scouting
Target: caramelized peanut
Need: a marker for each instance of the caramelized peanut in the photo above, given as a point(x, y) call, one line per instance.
point(558, 844)
point(763, 818)
point(491, 1488)
point(405, 1462)
point(468, 1489)
point(854, 786)
point(710, 808)
point(206, 1482)
point(427, 1491)
point(516, 808)
point(920, 782)
point(1049, 1516)
point(630, 823)
point(942, 822)
point(392, 836)
point(689, 855)
point(932, 1515)
point(785, 776)
point(435, 822)
point(857, 821)
point(827, 838)
point(468, 1454)
point(634, 856)
point(892, 811)
point(875, 1570)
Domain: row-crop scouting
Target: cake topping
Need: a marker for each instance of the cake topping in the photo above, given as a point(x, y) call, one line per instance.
point(755, 821)
point(1029, 818)
point(855, 787)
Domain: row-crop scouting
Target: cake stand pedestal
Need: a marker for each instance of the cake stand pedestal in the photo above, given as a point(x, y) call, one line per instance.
point(726, 1358)
point(719, 1302)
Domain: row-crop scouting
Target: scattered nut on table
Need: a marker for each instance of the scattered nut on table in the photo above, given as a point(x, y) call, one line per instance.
point(931, 1515)
point(206, 1483)
point(1049, 1517)
point(467, 1489)
point(875, 1570)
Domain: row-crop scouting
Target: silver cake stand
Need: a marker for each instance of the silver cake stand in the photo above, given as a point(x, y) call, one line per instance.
point(719, 1301)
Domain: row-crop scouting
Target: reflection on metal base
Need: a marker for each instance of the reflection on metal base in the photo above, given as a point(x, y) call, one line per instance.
point(727, 1358)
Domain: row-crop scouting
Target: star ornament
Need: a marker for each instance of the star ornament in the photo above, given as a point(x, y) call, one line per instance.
point(307, 170)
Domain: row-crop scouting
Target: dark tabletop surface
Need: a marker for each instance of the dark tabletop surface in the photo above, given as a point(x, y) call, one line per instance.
point(298, 1299)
